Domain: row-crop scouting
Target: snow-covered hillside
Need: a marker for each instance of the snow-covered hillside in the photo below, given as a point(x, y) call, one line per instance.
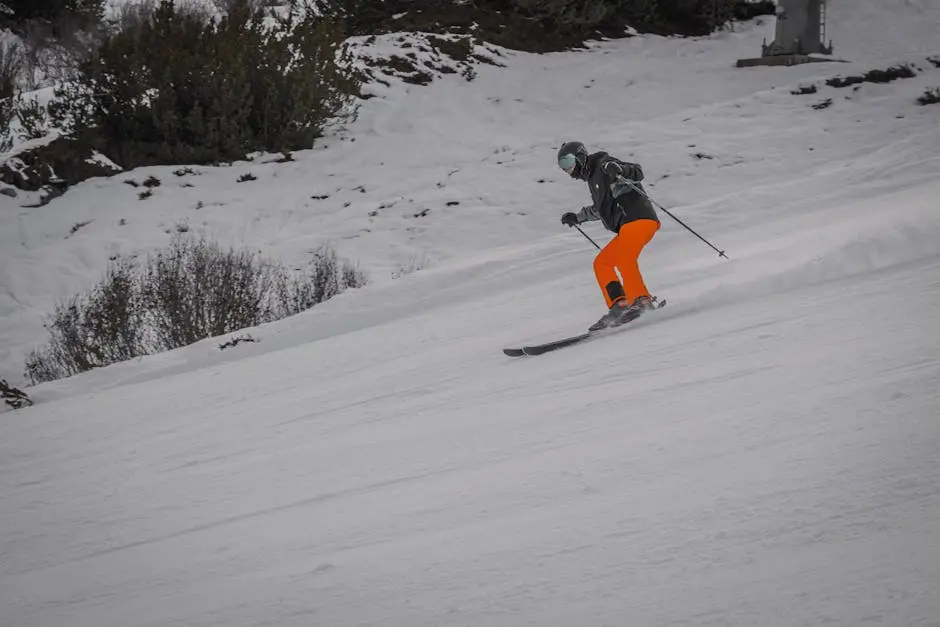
point(760, 452)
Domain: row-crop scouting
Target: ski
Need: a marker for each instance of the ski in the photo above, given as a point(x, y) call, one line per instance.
point(540, 349)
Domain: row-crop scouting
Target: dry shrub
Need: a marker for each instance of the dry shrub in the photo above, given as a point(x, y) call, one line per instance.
point(191, 290)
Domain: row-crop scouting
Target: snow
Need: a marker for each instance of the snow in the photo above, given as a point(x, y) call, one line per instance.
point(760, 452)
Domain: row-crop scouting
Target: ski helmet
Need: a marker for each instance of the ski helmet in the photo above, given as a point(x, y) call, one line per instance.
point(572, 157)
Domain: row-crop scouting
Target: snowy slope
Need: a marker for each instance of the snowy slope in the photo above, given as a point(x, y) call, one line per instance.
point(486, 145)
point(760, 452)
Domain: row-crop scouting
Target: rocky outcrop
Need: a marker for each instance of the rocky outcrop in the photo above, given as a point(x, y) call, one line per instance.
point(54, 167)
point(15, 398)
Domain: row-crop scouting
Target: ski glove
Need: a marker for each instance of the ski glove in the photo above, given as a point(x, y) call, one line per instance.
point(570, 219)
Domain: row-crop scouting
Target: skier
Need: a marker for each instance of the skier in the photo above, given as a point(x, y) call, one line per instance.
point(618, 204)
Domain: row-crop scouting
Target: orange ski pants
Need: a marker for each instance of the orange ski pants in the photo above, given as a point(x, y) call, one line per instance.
point(622, 253)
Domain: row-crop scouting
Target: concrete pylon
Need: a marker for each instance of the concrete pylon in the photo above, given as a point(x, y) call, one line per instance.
point(801, 31)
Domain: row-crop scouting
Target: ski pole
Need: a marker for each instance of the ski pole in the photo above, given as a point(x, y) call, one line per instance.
point(721, 253)
point(588, 237)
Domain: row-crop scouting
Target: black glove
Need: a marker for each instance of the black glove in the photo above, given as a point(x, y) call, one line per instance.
point(570, 219)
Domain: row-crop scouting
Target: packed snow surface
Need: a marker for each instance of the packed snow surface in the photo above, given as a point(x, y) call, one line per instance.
point(762, 451)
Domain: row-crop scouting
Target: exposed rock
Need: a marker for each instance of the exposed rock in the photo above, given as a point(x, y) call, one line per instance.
point(17, 399)
point(59, 164)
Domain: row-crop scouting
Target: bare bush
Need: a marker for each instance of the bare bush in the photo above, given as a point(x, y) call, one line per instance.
point(33, 118)
point(353, 276)
point(11, 65)
point(31, 115)
point(56, 35)
point(131, 15)
point(414, 264)
point(92, 330)
point(189, 291)
point(114, 315)
point(59, 12)
point(194, 289)
point(227, 6)
point(325, 277)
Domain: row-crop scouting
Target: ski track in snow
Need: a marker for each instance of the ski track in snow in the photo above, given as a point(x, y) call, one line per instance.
point(760, 452)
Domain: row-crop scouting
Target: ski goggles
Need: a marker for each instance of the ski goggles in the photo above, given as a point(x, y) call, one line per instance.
point(568, 162)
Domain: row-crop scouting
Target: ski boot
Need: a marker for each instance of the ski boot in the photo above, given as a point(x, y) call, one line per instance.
point(644, 303)
point(613, 317)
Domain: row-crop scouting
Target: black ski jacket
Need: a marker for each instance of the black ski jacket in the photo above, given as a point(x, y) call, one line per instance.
point(615, 201)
